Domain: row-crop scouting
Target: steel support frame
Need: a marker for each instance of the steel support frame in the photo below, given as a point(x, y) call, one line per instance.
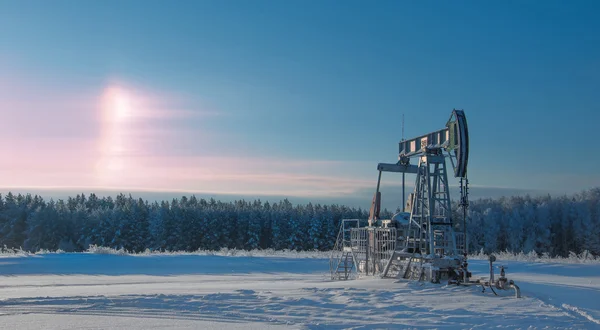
point(431, 213)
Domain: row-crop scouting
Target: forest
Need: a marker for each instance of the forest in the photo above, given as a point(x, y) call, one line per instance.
point(547, 225)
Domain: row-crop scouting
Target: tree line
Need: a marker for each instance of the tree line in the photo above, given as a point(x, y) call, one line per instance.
point(183, 224)
point(552, 225)
point(544, 224)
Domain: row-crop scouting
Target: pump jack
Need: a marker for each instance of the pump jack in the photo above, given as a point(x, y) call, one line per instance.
point(420, 242)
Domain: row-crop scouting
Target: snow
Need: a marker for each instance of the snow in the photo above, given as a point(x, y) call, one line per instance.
point(202, 291)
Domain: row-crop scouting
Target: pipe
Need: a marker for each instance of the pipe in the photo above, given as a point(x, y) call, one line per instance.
point(403, 199)
point(517, 290)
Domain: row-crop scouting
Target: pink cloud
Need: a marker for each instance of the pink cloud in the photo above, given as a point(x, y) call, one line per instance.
point(241, 175)
point(123, 137)
point(53, 162)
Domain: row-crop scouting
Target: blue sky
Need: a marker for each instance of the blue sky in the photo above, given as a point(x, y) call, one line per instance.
point(293, 98)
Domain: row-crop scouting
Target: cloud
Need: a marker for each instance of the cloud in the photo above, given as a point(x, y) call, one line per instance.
point(212, 175)
point(240, 175)
point(127, 137)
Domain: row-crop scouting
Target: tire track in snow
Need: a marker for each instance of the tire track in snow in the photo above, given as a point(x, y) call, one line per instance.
point(540, 292)
point(580, 312)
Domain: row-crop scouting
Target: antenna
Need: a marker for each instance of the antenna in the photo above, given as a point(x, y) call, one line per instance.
point(402, 127)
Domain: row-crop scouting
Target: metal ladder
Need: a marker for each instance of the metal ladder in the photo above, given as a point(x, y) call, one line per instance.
point(342, 261)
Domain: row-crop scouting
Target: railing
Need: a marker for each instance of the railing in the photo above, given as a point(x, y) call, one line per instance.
point(372, 248)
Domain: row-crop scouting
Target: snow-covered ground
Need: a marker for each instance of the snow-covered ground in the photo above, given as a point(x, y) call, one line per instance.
point(191, 291)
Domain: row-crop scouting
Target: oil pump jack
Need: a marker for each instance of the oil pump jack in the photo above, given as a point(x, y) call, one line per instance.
point(420, 242)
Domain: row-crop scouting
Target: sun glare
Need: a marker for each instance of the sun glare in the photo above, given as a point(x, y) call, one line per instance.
point(122, 107)
point(117, 112)
point(117, 105)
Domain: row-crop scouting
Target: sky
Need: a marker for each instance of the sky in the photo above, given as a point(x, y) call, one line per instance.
point(297, 99)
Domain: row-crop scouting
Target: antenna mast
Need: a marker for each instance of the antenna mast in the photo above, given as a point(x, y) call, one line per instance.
point(402, 127)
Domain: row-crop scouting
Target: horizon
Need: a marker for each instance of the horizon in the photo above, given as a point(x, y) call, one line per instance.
point(359, 201)
point(293, 100)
